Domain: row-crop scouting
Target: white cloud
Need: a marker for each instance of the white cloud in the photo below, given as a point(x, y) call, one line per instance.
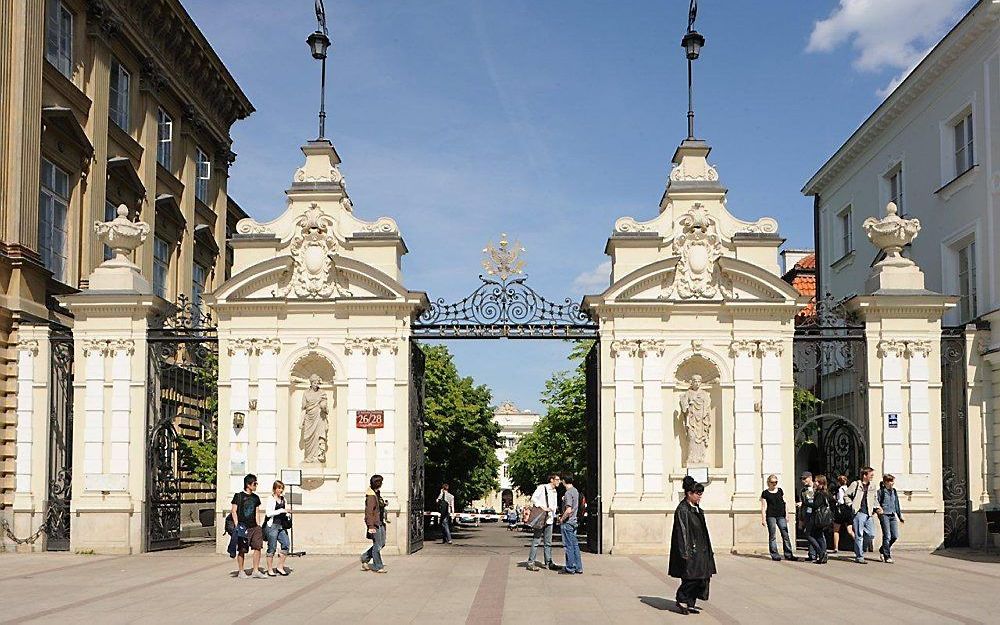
point(887, 34)
point(595, 280)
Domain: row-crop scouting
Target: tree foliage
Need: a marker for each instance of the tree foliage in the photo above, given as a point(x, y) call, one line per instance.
point(460, 435)
point(805, 405)
point(558, 443)
point(200, 457)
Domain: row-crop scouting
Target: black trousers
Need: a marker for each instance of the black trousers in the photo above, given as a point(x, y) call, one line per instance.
point(691, 590)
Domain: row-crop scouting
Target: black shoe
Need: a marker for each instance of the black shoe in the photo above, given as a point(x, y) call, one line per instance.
point(531, 567)
point(683, 608)
point(776, 559)
point(792, 558)
point(553, 567)
point(565, 572)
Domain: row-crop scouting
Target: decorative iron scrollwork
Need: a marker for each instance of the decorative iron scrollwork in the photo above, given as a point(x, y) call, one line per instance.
point(186, 314)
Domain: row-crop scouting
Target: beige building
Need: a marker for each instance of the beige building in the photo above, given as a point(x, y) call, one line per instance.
point(514, 424)
point(102, 103)
point(933, 148)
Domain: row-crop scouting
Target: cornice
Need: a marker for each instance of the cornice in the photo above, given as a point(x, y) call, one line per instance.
point(980, 18)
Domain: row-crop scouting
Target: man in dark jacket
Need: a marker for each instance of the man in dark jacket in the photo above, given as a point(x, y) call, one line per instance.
point(375, 521)
point(691, 557)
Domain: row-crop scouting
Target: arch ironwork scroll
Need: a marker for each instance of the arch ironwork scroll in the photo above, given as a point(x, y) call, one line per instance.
point(504, 306)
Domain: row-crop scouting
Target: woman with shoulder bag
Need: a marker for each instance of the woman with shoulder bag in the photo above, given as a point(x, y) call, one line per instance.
point(843, 515)
point(277, 522)
point(819, 519)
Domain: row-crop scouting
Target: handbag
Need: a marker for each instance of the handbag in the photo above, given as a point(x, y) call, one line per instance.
point(286, 521)
point(536, 517)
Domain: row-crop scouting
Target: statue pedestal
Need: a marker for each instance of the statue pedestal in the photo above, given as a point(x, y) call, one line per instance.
point(316, 472)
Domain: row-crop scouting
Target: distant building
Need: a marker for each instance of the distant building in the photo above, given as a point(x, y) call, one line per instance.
point(799, 267)
point(514, 424)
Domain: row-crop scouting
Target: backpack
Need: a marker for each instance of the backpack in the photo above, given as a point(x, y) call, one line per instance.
point(823, 516)
point(443, 507)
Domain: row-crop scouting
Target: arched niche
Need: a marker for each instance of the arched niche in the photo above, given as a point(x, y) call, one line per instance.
point(304, 367)
point(711, 383)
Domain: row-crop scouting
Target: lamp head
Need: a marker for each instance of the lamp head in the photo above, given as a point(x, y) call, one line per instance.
point(318, 44)
point(692, 43)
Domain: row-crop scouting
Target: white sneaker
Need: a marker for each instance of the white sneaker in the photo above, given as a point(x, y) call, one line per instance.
point(242, 575)
point(258, 575)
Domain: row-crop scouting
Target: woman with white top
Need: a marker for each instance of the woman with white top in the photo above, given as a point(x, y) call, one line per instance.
point(277, 521)
point(843, 514)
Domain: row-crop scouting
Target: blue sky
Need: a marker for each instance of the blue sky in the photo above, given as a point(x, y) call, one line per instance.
point(550, 119)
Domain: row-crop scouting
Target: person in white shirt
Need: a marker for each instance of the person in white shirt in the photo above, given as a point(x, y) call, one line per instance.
point(277, 518)
point(546, 498)
point(446, 507)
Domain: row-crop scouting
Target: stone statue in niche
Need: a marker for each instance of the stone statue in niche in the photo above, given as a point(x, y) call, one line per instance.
point(696, 410)
point(314, 422)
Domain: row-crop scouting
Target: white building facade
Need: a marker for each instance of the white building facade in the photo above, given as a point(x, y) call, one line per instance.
point(932, 148)
point(514, 424)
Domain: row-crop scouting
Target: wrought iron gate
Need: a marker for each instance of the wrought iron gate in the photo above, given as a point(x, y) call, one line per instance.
point(954, 438)
point(60, 470)
point(592, 489)
point(183, 403)
point(831, 414)
point(416, 464)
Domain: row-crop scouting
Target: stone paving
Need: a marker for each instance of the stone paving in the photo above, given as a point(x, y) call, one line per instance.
point(481, 580)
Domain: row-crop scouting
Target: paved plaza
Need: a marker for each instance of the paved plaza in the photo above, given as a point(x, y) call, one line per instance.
point(481, 579)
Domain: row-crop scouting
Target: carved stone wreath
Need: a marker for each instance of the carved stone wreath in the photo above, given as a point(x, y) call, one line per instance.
point(698, 275)
point(314, 272)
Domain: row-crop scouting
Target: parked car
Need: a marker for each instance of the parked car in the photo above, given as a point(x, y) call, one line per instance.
point(469, 516)
point(489, 515)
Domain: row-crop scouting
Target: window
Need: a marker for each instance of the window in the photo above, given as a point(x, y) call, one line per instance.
point(110, 212)
point(846, 241)
point(198, 276)
point(967, 282)
point(118, 109)
point(964, 156)
point(203, 173)
point(161, 266)
point(895, 179)
point(164, 137)
point(53, 203)
point(59, 37)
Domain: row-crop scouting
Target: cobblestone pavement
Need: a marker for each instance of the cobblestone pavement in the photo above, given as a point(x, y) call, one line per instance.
point(481, 579)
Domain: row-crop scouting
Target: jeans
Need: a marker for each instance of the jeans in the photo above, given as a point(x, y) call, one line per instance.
point(890, 533)
point(446, 528)
point(374, 553)
point(775, 523)
point(864, 533)
point(574, 561)
point(276, 534)
point(544, 534)
point(817, 540)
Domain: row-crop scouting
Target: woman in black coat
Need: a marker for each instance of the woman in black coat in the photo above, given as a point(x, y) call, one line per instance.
point(691, 557)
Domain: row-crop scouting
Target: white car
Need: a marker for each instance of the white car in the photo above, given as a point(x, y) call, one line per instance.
point(469, 516)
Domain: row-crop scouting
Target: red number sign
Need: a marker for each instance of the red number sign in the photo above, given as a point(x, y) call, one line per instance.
point(369, 419)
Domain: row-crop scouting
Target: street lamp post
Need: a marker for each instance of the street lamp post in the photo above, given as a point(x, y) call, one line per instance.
point(319, 42)
point(692, 43)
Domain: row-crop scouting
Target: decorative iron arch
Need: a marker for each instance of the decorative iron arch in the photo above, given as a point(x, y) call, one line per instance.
point(840, 441)
point(504, 306)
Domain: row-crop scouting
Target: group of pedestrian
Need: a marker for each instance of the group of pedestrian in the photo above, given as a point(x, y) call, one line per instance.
point(247, 535)
point(854, 507)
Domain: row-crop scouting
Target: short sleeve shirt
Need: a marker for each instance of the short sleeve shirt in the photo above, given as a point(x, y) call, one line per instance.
point(246, 508)
point(775, 503)
point(571, 499)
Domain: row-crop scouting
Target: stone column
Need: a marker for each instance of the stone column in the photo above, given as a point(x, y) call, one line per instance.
point(240, 349)
point(624, 353)
point(110, 402)
point(32, 433)
point(267, 411)
point(385, 400)
point(357, 439)
point(771, 430)
point(745, 414)
point(652, 416)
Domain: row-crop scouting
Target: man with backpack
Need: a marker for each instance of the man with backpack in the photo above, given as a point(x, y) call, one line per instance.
point(446, 507)
point(864, 502)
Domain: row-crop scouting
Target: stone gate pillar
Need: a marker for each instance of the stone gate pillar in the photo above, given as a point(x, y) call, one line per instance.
point(110, 396)
point(903, 333)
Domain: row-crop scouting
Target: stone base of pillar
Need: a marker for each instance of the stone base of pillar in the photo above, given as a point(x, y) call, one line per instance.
point(25, 519)
point(108, 524)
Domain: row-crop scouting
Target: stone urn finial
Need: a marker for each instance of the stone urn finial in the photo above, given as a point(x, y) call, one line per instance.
point(122, 235)
point(892, 233)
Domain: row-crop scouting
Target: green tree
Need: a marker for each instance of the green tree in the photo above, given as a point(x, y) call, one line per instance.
point(558, 443)
point(460, 435)
point(200, 457)
point(805, 406)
